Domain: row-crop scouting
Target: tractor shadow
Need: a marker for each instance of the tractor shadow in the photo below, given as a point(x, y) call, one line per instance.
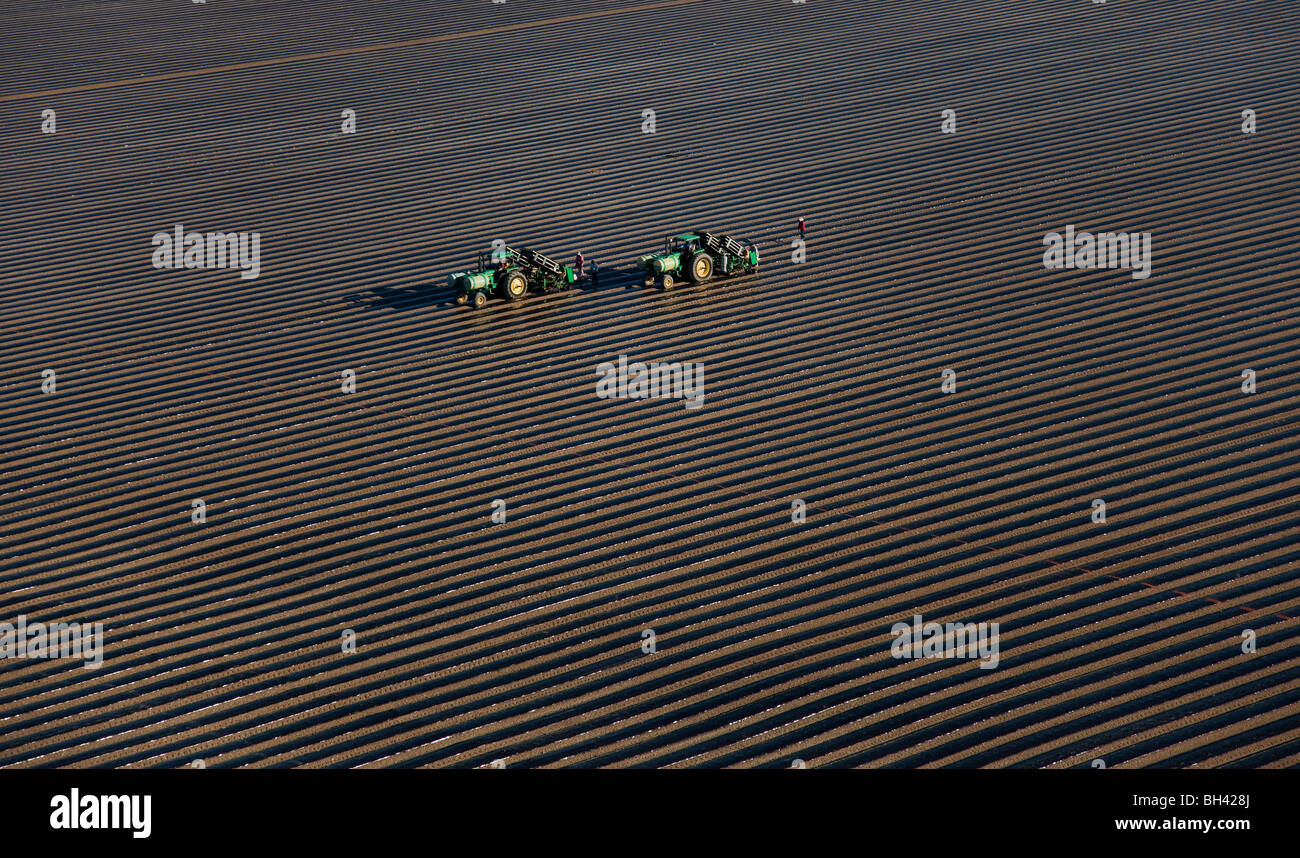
point(624, 279)
point(399, 298)
point(404, 297)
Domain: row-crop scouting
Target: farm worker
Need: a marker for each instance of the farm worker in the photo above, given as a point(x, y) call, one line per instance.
point(577, 264)
point(595, 274)
point(801, 227)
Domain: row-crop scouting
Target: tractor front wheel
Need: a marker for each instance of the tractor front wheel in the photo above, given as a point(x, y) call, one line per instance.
point(648, 280)
point(668, 281)
point(462, 299)
point(701, 267)
point(480, 298)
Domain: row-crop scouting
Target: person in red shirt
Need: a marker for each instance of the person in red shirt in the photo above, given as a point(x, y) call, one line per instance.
point(801, 227)
point(577, 265)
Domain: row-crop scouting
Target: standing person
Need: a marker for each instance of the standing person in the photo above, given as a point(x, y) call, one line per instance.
point(595, 274)
point(801, 227)
point(577, 264)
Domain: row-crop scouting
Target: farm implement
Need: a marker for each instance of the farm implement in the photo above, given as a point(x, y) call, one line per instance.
point(510, 274)
point(698, 256)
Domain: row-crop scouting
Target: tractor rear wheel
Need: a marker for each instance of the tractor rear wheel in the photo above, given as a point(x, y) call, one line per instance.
point(701, 267)
point(480, 298)
point(462, 299)
point(668, 281)
point(649, 280)
point(516, 285)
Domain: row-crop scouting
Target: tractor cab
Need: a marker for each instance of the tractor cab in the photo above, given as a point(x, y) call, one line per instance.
point(686, 242)
point(494, 260)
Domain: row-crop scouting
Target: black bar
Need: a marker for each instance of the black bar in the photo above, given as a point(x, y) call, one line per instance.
point(644, 810)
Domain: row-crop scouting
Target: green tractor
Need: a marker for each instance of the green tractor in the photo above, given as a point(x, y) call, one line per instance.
point(698, 255)
point(511, 274)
